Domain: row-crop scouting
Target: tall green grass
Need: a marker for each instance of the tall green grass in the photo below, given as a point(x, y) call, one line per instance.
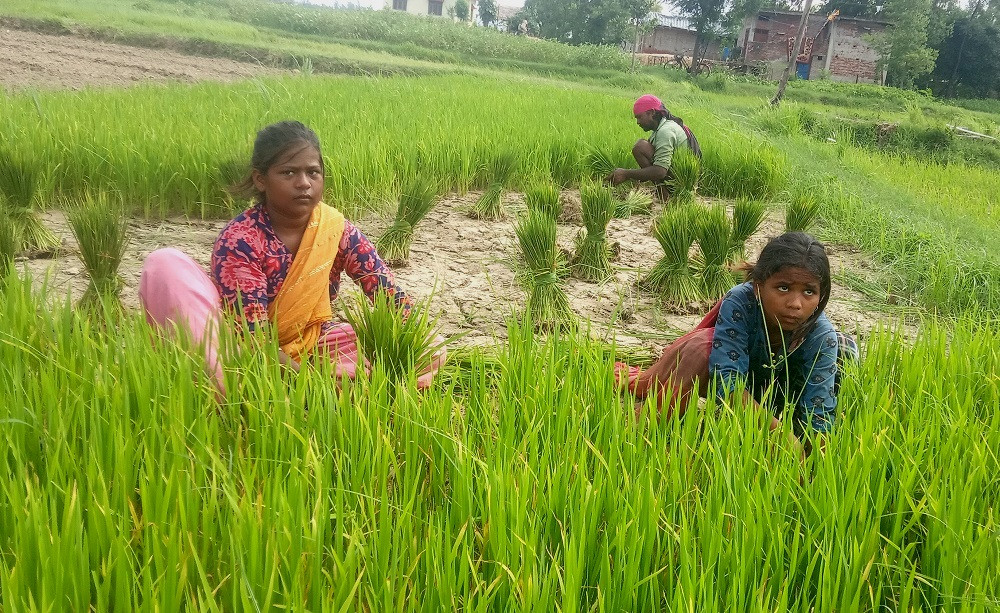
point(520, 482)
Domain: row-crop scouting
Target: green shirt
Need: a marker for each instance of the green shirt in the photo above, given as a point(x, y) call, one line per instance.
point(665, 139)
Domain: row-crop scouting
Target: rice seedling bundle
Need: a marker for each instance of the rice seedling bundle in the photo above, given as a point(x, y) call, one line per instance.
point(672, 277)
point(498, 174)
point(19, 182)
point(601, 163)
point(592, 261)
point(101, 229)
point(415, 202)
point(714, 241)
point(635, 201)
point(544, 198)
point(685, 168)
point(747, 217)
point(392, 340)
point(801, 212)
point(548, 305)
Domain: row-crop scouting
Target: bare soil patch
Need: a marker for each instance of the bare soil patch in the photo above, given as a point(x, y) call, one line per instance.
point(47, 61)
point(465, 267)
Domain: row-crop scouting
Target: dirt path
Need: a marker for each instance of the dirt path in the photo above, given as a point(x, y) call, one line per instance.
point(464, 265)
point(45, 61)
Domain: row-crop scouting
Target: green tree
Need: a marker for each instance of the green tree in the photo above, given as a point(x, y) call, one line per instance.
point(708, 19)
point(584, 21)
point(462, 10)
point(488, 12)
point(903, 48)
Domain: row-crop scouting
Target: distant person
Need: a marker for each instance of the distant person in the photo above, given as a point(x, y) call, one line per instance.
point(522, 28)
point(278, 263)
point(769, 335)
point(654, 155)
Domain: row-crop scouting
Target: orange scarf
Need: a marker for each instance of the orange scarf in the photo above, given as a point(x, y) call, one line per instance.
point(303, 303)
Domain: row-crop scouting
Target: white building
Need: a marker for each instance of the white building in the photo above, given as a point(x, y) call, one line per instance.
point(440, 8)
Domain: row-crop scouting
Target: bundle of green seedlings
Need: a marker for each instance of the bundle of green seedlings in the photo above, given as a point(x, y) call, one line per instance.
point(548, 305)
point(801, 212)
point(748, 214)
point(19, 181)
point(592, 261)
point(634, 201)
point(672, 277)
point(498, 174)
point(543, 197)
point(415, 202)
point(715, 244)
point(685, 167)
point(397, 342)
point(601, 163)
point(102, 233)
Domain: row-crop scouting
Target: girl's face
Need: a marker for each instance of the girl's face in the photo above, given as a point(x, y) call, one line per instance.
point(293, 185)
point(789, 297)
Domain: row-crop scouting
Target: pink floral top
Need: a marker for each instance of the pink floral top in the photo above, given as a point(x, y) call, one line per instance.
point(250, 263)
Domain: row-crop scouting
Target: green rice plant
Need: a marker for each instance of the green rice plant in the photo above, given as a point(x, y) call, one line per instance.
point(8, 245)
point(672, 277)
point(415, 202)
point(563, 164)
point(592, 260)
point(19, 181)
point(102, 233)
point(801, 212)
point(714, 243)
point(747, 217)
point(544, 198)
point(685, 168)
point(548, 305)
point(634, 202)
point(398, 342)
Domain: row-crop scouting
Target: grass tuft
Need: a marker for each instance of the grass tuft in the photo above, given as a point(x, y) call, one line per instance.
point(635, 202)
point(19, 181)
point(8, 245)
point(415, 202)
point(685, 168)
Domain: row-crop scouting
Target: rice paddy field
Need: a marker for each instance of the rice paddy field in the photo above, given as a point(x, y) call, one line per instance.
point(522, 479)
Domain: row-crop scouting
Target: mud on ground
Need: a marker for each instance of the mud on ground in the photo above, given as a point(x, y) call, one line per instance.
point(466, 267)
point(47, 61)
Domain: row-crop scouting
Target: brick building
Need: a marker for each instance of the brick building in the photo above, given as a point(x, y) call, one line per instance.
point(835, 46)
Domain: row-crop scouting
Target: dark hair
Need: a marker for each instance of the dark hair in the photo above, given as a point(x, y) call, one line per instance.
point(795, 250)
point(663, 113)
point(273, 143)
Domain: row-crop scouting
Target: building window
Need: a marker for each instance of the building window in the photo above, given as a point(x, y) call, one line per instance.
point(759, 35)
point(399, 5)
point(434, 7)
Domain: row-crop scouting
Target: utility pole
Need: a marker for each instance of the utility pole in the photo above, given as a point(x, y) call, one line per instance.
point(795, 54)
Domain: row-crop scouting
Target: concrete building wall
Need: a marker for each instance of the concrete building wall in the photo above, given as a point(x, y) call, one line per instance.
point(672, 41)
point(422, 7)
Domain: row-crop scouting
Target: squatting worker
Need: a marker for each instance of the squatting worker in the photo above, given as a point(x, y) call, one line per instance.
point(654, 155)
point(279, 263)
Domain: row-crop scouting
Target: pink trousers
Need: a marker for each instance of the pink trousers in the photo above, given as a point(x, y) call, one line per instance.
point(179, 299)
